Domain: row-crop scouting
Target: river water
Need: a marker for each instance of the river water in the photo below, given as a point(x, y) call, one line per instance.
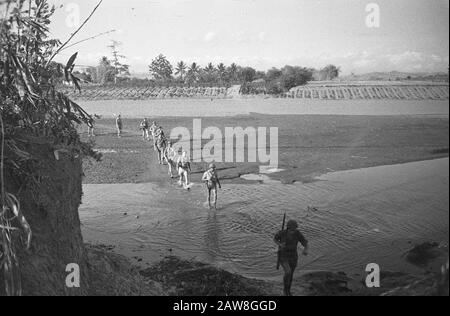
point(358, 217)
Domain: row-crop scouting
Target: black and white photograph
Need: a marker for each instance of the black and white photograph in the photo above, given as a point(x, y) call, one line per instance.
point(224, 155)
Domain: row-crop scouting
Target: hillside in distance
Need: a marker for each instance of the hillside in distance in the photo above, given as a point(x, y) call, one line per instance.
point(397, 76)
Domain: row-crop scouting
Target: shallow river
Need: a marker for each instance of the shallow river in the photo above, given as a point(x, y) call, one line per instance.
point(360, 217)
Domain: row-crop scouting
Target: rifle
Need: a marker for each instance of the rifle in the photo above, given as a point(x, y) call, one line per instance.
point(279, 248)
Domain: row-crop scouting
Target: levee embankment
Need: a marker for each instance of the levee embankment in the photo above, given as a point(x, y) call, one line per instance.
point(375, 90)
point(372, 91)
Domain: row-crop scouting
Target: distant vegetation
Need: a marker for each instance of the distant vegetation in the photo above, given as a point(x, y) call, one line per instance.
point(275, 81)
point(163, 73)
point(108, 70)
point(399, 76)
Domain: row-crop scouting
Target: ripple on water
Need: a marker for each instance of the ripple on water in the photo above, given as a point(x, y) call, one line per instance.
point(359, 216)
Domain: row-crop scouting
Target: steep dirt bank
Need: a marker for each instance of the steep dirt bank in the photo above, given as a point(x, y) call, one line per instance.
point(52, 212)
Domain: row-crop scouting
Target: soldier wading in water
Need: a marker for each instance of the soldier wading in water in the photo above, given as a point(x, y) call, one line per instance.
point(287, 241)
point(212, 181)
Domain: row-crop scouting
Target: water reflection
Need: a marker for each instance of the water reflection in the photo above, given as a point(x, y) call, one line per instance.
point(212, 237)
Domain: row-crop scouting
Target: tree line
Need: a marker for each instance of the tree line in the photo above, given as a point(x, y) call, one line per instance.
point(162, 72)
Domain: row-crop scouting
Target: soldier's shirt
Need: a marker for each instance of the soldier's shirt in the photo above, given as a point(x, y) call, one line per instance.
point(291, 238)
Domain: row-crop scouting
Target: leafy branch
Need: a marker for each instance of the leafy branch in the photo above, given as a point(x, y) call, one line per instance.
point(31, 105)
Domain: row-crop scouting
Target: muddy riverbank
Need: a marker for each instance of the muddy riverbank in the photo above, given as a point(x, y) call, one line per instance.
point(114, 274)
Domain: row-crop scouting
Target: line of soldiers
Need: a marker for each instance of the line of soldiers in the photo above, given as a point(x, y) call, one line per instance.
point(180, 162)
point(286, 239)
point(91, 125)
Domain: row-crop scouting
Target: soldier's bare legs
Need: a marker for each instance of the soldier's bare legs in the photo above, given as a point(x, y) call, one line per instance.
point(215, 192)
point(171, 166)
point(160, 156)
point(183, 177)
point(208, 196)
point(211, 190)
point(289, 265)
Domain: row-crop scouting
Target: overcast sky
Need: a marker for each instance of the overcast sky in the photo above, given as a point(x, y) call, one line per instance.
point(413, 34)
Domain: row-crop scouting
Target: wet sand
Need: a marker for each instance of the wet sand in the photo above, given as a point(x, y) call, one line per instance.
point(308, 145)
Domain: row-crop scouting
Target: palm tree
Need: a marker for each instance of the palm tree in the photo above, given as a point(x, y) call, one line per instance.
point(233, 71)
point(222, 71)
point(194, 68)
point(193, 72)
point(181, 69)
point(210, 68)
point(210, 74)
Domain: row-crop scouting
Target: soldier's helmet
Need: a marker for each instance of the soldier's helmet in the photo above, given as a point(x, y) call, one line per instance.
point(292, 224)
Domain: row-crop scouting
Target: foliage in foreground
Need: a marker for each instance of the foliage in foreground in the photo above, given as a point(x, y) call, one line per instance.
point(30, 105)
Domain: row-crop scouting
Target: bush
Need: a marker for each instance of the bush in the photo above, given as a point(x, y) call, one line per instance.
point(274, 87)
point(292, 77)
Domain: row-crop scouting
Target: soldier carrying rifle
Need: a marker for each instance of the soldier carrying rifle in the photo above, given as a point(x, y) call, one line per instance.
point(287, 241)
